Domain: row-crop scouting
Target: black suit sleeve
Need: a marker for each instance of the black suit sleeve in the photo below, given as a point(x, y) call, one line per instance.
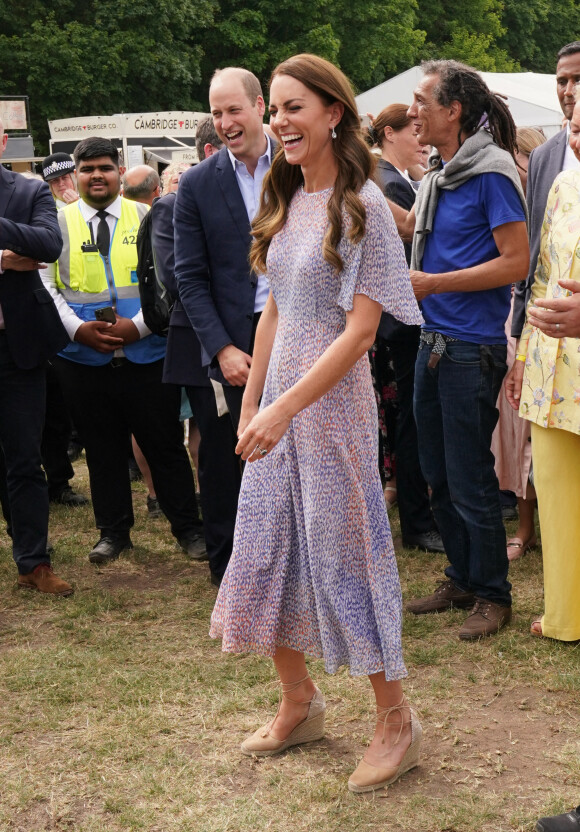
point(400, 192)
point(192, 266)
point(546, 162)
point(39, 236)
point(162, 242)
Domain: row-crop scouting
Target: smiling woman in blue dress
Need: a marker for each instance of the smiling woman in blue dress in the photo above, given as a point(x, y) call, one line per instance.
point(313, 569)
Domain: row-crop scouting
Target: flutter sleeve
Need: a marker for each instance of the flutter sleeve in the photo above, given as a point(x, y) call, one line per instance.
point(376, 266)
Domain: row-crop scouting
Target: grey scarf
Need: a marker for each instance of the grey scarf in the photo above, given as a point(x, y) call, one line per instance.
point(478, 154)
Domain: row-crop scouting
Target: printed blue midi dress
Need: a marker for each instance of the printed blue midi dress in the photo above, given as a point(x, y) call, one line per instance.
point(313, 566)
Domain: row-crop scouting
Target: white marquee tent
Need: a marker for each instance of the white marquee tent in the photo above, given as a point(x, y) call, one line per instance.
point(531, 96)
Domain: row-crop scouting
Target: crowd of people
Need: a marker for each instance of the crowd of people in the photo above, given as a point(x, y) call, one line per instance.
point(332, 292)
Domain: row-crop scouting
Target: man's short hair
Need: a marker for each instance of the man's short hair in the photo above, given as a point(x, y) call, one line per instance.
point(206, 134)
point(250, 83)
point(142, 189)
point(93, 147)
point(569, 49)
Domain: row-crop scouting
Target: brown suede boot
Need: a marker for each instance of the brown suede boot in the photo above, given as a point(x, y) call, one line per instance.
point(446, 596)
point(43, 579)
point(485, 619)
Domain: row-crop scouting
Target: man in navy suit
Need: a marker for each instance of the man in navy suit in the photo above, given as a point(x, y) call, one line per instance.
point(546, 162)
point(30, 333)
point(219, 298)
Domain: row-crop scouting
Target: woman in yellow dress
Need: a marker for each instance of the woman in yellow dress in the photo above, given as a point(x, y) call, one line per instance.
point(544, 383)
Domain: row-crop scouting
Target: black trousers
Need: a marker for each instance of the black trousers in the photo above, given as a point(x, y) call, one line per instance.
point(54, 446)
point(25, 494)
point(412, 495)
point(55, 437)
point(107, 404)
point(220, 471)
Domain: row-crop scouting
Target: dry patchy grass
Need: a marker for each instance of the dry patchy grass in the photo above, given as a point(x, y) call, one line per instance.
point(117, 712)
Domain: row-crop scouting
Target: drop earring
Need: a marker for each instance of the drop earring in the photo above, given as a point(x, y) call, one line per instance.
point(333, 134)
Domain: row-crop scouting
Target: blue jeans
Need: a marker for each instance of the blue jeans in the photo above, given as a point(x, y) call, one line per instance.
point(455, 410)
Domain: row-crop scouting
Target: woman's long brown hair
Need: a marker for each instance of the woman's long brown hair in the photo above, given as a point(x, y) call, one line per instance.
point(354, 159)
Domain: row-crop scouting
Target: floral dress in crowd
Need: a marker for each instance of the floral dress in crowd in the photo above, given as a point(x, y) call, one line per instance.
point(550, 401)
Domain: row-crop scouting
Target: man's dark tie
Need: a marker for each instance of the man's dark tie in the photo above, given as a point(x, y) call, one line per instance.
point(103, 234)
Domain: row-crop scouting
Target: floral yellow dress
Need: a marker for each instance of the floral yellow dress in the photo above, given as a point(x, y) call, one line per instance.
point(550, 400)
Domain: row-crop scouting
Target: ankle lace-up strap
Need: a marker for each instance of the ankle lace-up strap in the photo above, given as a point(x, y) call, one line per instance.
point(284, 688)
point(290, 687)
point(384, 713)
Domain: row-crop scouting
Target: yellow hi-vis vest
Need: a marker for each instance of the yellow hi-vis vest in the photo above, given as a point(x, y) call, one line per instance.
point(89, 281)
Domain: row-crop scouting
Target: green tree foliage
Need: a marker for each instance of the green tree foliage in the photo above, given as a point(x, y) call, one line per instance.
point(521, 24)
point(368, 39)
point(80, 58)
point(499, 35)
point(466, 30)
point(537, 30)
point(378, 39)
point(76, 58)
point(109, 56)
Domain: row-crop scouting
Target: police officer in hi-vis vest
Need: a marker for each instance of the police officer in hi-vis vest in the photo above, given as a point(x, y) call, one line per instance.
point(111, 370)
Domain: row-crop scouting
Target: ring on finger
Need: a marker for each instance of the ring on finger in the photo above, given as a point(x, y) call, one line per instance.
point(557, 327)
point(262, 451)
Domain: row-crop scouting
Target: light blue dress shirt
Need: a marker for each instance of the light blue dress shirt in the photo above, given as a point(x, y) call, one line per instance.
point(250, 189)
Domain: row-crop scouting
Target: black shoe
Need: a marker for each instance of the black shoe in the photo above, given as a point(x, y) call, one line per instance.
point(569, 822)
point(153, 507)
point(74, 451)
point(428, 541)
point(214, 580)
point(509, 513)
point(70, 498)
point(109, 548)
point(193, 545)
point(135, 474)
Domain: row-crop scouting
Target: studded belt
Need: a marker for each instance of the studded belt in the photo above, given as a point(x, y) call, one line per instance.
point(437, 341)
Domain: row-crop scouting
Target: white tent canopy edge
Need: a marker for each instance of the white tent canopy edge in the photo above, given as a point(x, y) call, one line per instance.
point(531, 96)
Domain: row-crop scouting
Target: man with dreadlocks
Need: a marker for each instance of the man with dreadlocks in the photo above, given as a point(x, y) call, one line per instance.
point(469, 245)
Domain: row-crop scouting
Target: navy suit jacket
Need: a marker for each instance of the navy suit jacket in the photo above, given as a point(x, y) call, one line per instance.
point(183, 356)
point(29, 226)
point(545, 164)
point(398, 190)
point(212, 242)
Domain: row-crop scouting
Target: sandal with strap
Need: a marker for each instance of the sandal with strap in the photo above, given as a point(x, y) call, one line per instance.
point(368, 777)
point(390, 501)
point(262, 743)
point(517, 548)
point(536, 628)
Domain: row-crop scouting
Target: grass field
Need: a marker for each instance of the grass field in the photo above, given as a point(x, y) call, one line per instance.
point(118, 713)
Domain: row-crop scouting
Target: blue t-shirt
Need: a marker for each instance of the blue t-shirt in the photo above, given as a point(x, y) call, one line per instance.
point(462, 237)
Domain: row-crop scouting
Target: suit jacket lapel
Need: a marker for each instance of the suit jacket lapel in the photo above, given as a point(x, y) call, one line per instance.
point(228, 183)
point(6, 189)
point(558, 158)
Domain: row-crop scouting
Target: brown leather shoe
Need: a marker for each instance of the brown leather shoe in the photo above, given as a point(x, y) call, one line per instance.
point(485, 619)
point(43, 579)
point(446, 595)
